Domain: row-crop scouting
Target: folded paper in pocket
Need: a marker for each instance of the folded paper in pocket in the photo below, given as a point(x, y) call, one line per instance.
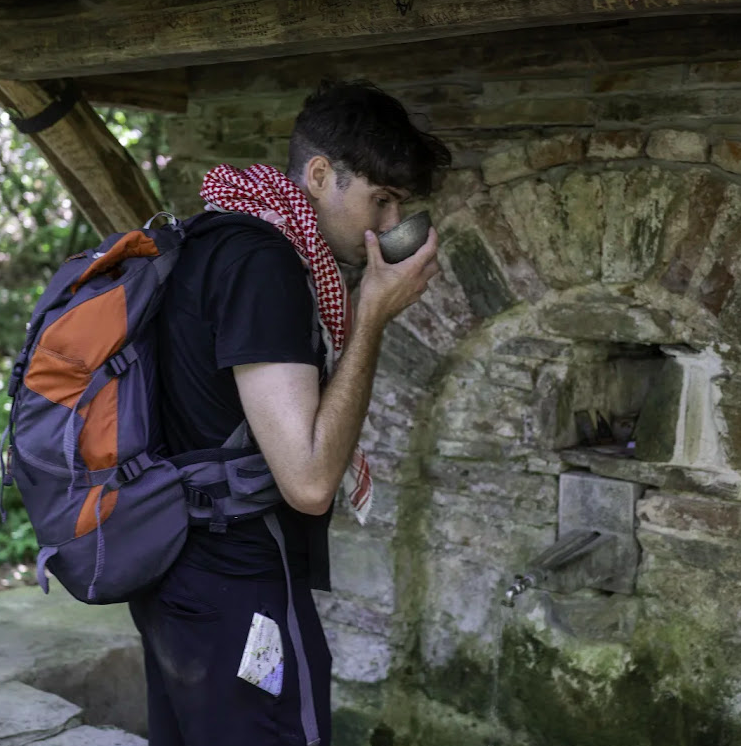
point(262, 659)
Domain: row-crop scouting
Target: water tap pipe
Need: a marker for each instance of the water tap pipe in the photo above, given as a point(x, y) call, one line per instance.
point(571, 546)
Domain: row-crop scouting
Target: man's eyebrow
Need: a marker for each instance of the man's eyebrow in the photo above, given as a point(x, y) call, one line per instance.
point(401, 196)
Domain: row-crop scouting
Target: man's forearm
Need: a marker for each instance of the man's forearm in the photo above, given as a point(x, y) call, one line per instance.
point(344, 402)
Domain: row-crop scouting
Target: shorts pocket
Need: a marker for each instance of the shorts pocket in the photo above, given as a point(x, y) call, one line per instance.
point(187, 608)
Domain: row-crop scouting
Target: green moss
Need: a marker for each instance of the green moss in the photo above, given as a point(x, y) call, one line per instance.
point(601, 702)
point(351, 727)
point(382, 736)
point(464, 683)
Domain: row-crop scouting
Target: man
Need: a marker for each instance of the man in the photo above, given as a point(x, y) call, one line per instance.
point(240, 337)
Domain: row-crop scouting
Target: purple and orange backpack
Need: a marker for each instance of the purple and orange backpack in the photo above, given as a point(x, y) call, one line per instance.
point(110, 509)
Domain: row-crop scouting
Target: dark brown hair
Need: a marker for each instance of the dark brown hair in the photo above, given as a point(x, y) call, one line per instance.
point(364, 131)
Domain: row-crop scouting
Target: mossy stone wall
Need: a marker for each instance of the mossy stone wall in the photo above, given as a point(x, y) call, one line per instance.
point(592, 216)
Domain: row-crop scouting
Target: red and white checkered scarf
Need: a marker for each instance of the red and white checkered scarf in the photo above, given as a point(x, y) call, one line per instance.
point(266, 193)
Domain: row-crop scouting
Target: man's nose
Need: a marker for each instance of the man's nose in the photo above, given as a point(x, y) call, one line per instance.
point(391, 217)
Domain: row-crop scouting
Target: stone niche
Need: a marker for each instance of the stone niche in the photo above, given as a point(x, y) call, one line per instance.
point(654, 403)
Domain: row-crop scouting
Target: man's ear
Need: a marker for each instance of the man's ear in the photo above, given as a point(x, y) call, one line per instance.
point(319, 175)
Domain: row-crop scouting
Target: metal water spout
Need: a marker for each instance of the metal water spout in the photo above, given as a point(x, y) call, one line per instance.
point(565, 566)
point(596, 548)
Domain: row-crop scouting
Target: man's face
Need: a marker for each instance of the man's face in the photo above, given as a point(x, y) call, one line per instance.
point(346, 210)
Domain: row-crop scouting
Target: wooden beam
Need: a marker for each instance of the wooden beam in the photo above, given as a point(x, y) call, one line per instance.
point(70, 38)
point(555, 50)
point(163, 91)
point(94, 167)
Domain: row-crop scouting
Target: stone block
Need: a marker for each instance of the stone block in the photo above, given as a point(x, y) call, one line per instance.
point(690, 226)
point(590, 615)
point(453, 526)
point(511, 375)
point(494, 92)
point(727, 155)
point(695, 516)
point(363, 566)
point(486, 290)
point(506, 162)
point(468, 147)
point(502, 494)
point(28, 715)
point(532, 347)
point(449, 447)
point(730, 130)
point(404, 355)
point(593, 502)
point(555, 151)
point(85, 735)
point(608, 322)
point(634, 208)
point(677, 145)
point(458, 186)
point(589, 502)
point(716, 287)
point(88, 655)
point(358, 656)
point(334, 608)
point(557, 225)
point(459, 593)
point(708, 560)
point(661, 78)
point(522, 277)
point(655, 432)
point(671, 105)
point(565, 111)
point(615, 144)
point(677, 423)
point(714, 73)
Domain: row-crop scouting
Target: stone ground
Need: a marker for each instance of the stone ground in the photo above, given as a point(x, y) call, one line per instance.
point(69, 672)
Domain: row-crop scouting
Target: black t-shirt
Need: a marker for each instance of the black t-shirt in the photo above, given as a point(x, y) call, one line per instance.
point(238, 294)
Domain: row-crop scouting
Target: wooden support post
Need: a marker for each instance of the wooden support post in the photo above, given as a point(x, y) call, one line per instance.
point(100, 174)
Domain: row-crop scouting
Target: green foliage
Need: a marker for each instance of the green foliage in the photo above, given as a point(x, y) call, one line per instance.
point(39, 227)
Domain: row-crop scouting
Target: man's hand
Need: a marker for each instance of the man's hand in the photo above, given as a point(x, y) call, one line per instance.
point(387, 289)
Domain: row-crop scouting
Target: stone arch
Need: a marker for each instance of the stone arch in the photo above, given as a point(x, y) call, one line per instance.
point(545, 273)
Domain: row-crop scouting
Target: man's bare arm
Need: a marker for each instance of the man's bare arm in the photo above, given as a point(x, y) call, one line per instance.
point(308, 439)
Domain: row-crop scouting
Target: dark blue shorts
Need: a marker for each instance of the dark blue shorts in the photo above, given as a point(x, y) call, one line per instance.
point(194, 626)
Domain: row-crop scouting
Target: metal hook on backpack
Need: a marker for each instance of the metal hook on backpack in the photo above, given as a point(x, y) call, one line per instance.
point(171, 219)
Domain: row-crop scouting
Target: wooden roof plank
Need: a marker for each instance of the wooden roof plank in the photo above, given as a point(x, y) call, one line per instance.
point(68, 38)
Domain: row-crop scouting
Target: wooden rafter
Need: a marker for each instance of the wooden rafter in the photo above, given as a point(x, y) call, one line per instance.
point(158, 90)
point(96, 169)
point(69, 38)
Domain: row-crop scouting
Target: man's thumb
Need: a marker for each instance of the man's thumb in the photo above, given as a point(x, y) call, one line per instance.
point(373, 248)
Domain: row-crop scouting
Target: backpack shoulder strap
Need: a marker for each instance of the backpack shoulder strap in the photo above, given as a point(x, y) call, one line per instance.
point(206, 222)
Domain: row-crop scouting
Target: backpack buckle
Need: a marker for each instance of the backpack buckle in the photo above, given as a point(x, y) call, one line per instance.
point(121, 361)
point(15, 378)
point(132, 468)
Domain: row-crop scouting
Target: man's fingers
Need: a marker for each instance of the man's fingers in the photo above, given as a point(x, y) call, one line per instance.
point(373, 249)
point(432, 267)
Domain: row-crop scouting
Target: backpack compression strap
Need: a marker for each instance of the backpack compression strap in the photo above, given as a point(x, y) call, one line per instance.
point(308, 713)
